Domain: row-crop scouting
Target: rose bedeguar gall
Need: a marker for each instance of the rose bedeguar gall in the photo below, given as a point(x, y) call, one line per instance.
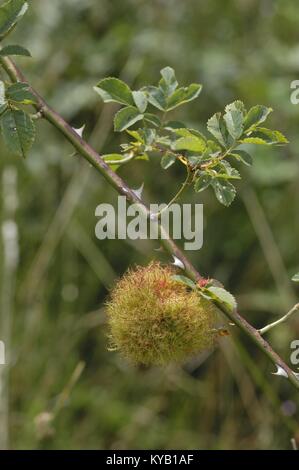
point(154, 319)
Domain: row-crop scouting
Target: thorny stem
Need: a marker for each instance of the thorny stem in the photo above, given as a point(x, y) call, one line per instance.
point(97, 161)
point(281, 320)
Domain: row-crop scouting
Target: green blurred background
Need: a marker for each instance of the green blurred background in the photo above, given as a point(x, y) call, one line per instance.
point(65, 390)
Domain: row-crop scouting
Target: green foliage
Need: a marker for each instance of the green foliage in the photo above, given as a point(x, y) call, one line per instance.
point(114, 90)
point(167, 96)
point(255, 116)
point(234, 118)
point(202, 182)
point(14, 50)
point(18, 130)
point(221, 296)
point(192, 143)
point(167, 160)
point(140, 100)
point(208, 162)
point(10, 13)
point(126, 118)
point(114, 160)
point(184, 280)
point(20, 93)
point(17, 126)
point(182, 96)
point(224, 191)
point(242, 156)
point(209, 291)
point(216, 127)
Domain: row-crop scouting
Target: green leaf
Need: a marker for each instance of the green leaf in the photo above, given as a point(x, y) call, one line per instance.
point(183, 95)
point(164, 140)
point(193, 144)
point(184, 280)
point(156, 97)
point(140, 100)
point(114, 90)
point(160, 99)
point(168, 82)
point(269, 136)
point(216, 127)
point(213, 149)
point(136, 135)
point(184, 132)
point(167, 160)
point(202, 182)
point(20, 93)
point(226, 171)
point(235, 175)
point(242, 156)
point(296, 278)
point(174, 125)
point(115, 160)
point(254, 140)
point(149, 136)
point(14, 50)
point(280, 138)
point(10, 13)
point(224, 190)
point(223, 297)
point(126, 117)
point(233, 117)
point(152, 119)
point(18, 131)
point(255, 116)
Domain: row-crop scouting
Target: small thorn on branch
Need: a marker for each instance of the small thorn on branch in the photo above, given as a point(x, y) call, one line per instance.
point(280, 371)
point(138, 191)
point(178, 263)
